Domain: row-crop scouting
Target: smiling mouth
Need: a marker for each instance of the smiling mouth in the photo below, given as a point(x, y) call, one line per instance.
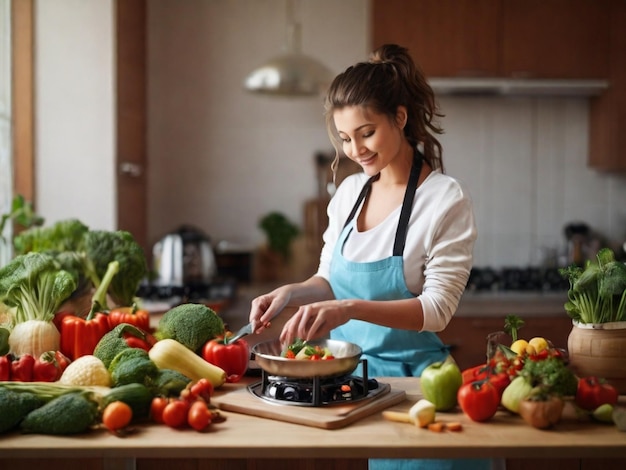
point(368, 160)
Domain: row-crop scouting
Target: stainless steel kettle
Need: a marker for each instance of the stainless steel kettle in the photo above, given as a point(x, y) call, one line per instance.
point(184, 259)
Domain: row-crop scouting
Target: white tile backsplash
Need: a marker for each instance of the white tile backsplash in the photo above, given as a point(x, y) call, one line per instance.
point(525, 162)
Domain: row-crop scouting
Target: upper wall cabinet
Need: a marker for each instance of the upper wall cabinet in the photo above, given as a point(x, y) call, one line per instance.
point(607, 119)
point(565, 39)
point(447, 38)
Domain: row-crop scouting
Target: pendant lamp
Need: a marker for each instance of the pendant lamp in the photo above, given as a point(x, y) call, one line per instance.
point(292, 73)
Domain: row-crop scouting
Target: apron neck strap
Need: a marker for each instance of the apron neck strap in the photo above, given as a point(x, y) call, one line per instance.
point(362, 195)
point(407, 204)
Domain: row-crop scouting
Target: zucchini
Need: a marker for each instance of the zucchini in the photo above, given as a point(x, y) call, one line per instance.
point(170, 354)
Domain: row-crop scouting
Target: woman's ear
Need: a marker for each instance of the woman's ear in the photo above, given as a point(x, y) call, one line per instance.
point(401, 117)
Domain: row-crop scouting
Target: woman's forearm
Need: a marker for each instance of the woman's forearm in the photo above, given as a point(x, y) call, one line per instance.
point(405, 314)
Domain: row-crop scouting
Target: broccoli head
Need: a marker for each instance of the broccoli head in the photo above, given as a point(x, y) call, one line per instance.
point(64, 235)
point(35, 286)
point(191, 325)
point(102, 247)
point(132, 365)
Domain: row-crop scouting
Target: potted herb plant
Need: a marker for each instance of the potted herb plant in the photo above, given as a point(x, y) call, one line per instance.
point(597, 305)
point(280, 234)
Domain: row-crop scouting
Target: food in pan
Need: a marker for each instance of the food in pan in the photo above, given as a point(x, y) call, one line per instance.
point(301, 350)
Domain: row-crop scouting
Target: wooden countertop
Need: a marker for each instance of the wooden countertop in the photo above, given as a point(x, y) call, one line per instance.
point(247, 437)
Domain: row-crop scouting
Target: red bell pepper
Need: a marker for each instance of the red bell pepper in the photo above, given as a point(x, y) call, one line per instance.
point(22, 368)
point(46, 368)
point(232, 357)
point(484, 372)
point(475, 373)
point(593, 392)
point(133, 315)
point(80, 336)
point(5, 367)
point(134, 341)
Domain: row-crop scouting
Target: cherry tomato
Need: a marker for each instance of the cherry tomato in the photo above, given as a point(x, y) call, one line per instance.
point(478, 400)
point(203, 389)
point(156, 409)
point(199, 415)
point(175, 413)
point(117, 415)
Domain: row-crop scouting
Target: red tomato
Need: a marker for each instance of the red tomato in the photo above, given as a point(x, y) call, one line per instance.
point(593, 392)
point(478, 400)
point(132, 315)
point(175, 413)
point(232, 357)
point(199, 415)
point(156, 409)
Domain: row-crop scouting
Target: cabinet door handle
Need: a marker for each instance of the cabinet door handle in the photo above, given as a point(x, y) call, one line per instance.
point(131, 169)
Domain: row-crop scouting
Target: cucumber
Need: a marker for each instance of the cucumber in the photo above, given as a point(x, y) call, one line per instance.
point(14, 406)
point(71, 413)
point(135, 395)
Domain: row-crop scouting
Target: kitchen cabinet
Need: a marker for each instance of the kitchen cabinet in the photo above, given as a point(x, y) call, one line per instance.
point(607, 122)
point(566, 39)
point(447, 38)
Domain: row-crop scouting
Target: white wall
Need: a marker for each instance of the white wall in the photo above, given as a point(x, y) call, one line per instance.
point(525, 162)
point(221, 158)
point(74, 111)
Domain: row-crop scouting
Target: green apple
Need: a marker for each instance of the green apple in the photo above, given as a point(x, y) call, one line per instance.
point(603, 413)
point(440, 383)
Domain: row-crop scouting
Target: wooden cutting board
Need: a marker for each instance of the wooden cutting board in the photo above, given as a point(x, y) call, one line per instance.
point(243, 401)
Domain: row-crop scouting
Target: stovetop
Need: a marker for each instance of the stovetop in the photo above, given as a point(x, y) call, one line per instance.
point(515, 279)
point(316, 391)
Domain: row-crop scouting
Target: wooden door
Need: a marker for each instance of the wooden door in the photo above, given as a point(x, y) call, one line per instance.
point(447, 38)
point(131, 158)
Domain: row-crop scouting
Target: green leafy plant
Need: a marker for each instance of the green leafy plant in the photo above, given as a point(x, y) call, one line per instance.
point(22, 213)
point(280, 232)
point(597, 292)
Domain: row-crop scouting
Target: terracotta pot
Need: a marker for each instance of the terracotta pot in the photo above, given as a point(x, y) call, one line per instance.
point(599, 350)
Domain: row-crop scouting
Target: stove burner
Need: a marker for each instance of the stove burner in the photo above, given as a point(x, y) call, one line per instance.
point(316, 391)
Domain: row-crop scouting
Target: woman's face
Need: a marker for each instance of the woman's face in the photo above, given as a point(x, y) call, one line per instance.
point(370, 139)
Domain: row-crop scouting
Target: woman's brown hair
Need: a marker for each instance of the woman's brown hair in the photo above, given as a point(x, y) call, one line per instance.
point(390, 78)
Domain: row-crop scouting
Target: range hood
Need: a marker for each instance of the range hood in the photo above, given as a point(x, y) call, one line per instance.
point(517, 87)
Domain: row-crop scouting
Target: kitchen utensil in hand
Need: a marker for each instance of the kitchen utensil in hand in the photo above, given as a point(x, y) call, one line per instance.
point(243, 331)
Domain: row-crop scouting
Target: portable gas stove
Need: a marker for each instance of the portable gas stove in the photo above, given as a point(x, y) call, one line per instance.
point(316, 391)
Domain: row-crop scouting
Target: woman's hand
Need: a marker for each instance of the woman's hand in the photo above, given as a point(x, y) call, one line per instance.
point(315, 321)
point(265, 307)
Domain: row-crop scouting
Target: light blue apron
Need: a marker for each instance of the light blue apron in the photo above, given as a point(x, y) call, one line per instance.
point(389, 352)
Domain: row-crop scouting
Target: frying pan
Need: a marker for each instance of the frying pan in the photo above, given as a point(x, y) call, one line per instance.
point(347, 357)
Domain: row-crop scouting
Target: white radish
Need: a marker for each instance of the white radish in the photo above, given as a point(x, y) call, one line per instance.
point(34, 337)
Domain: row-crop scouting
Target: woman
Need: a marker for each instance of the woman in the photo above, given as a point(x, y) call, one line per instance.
point(398, 249)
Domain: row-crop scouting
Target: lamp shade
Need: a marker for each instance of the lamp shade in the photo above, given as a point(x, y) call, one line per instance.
point(291, 74)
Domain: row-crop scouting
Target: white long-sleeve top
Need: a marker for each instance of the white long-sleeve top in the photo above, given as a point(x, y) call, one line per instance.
point(439, 244)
